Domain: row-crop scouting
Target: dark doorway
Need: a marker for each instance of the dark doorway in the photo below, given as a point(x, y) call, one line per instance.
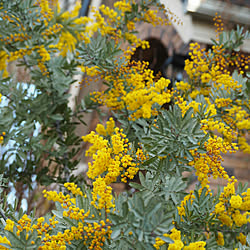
point(156, 55)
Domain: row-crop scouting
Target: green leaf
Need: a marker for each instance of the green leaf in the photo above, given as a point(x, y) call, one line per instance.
point(115, 233)
point(58, 214)
point(56, 117)
point(140, 236)
point(124, 209)
point(153, 210)
point(16, 243)
point(166, 239)
point(136, 185)
point(142, 179)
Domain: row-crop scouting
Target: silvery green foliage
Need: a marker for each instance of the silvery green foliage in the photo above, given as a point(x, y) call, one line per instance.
point(42, 102)
point(173, 137)
point(35, 115)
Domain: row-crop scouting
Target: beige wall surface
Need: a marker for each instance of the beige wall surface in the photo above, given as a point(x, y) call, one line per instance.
point(197, 16)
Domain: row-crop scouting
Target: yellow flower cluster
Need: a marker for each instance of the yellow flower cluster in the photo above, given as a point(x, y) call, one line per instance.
point(198, 67)
point(109, 21)
point(43, 53)
point(66, 43)
point(220, 239)
point(242, 238)
point(230, 208)
point(134, 89)
point(3, 63)
point(110, 13)
point(120, 15)
point(44, 228)
point(235, 201)
point(51, 31)
point(4, 240)
point(9, 225)
point(220, 127)
point(141, 100)
point(135, 41)
point(158, 243)
point(24, 224)
point(102, 25)
point(102, 195)
point(46, 12)
point(175, 235)
point(239, 120)
point(210, 72)
point(206, 73)
point(57, 241)
point(242, 61)
point(97, 233)
point(199, 245)
point(21, 53)
point(74, 212)
point(67, 40)
point(181, 208)
point(223, 102)
point(72, 187)
point(13, 38)
point(184, 86)
point(93, 234)
point(65, 200)
point(124, 6)
point(233, 119)
point(21, 34)
point(2, 136)
point(209, 163)
point(111, 159)
point(244, 146)
point(45, 56)
point(185, 106)
point(91, 71)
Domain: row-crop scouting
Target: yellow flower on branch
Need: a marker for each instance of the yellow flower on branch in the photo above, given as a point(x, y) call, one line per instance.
point(199, 245)
point(9, 225)
point(111, 159)
point(3, 63)
point(236, 201)
point(220, 239)
point(4, 240)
